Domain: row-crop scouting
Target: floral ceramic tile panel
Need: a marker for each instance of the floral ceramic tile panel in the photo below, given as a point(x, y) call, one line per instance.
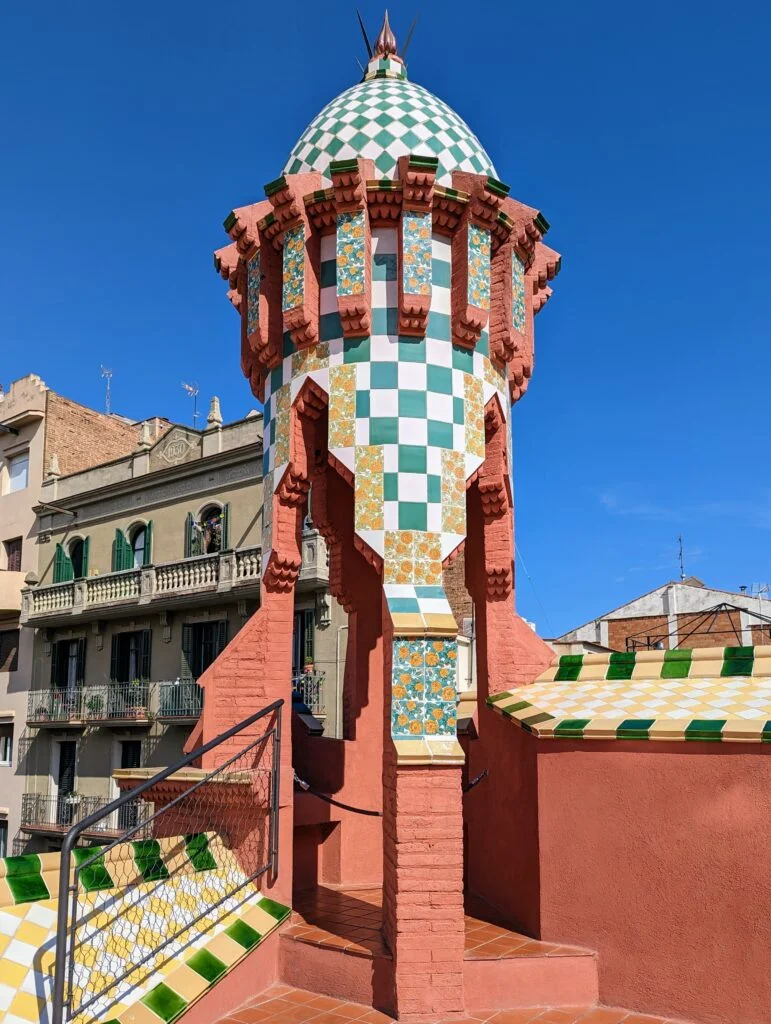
point(478, 267)
point(253, 279)
point(416, 254)
point(453, 492)
point(294, 267)
point(351, 253)
point(282, 417)
point(427, 559)
point(475, 415)
point(267, 512)
point(399, 556)
point(406, 718)
point(408, 670)
point(423, 687)
point(342, 406)
point(369, 487)
point(315, 357)
point(494, 374)
point(517, 293)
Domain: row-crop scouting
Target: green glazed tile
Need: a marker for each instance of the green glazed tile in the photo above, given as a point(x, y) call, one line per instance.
point(207, 965)
point(621, 665)
point(243, 934)
point(411, 350)
point(462, 359)
point(709, 730)
point(383, 429)
point(390, 486)
point(198, 851)
point(440, 434)
point(635, 729)
point(677, 664)
point(328, 274)
point(569, 668)
point(355, 350)
point(276, 910)
point(413, 515)
point(572, 727)
point(164, 1002)
point(362, 404)
point(439, 379)
point(434, 488)
point(383, 375)
point(94, 876)
point(412, 403)
point(148, 859)
point(27, 888)
point(412, 458)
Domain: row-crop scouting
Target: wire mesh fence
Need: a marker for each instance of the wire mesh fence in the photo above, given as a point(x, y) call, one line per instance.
point(192, 846)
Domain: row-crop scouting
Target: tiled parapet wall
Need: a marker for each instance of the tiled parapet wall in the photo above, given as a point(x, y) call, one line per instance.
point(707, 694)
point(423, 687)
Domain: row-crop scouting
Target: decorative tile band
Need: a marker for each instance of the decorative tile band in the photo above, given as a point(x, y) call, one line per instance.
point(423, 687)
point(517, 293)
point(695, 695)
point(478, 267)
point(351, 252)
point(369, 488)
point(416, 253)
point(294, 267)
point(253, 279)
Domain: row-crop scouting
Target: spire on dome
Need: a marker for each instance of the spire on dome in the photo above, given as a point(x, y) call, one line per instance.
point(385, 45)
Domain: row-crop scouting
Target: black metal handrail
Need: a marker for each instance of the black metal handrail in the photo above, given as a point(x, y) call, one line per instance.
point(67, 916)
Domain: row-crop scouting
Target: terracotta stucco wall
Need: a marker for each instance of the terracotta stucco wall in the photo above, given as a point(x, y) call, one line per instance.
point(656, 855)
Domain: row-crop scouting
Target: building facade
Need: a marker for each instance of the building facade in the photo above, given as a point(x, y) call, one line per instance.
point(38, 428)
point(678, 614)
point(147, 566)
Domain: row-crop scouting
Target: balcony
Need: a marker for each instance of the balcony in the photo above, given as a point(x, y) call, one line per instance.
point(309, 687)
point(189, 581)
point(314, 570)
point(11, 586)
point(120, 705)
point(42, 814)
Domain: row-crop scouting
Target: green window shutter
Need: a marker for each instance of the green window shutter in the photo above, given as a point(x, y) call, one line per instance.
point(117, 551)
point(189, 531)
point(222, 636)
point(63, 571)
point(114, 659)
point(54, 664)
point(81, 666)
point(225, 543)
point(145, 649)
point(309, 635)
point(86, 545)
point(148, 543)
point(186, 670)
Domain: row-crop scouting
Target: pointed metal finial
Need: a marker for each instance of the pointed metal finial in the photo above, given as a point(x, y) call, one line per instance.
point(385, 46)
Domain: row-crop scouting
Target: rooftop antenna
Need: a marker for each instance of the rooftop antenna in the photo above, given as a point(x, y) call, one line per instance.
point(409, 36)
point(364, 33)
point(682, 559)
point(192, 390)
point(106, 375)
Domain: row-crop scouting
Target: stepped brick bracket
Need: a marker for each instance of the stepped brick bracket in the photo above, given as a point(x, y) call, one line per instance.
point(353, 246)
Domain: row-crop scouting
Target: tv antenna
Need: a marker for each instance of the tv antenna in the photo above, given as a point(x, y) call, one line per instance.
point(681, 558)
point(106, 375)
point(192, 390)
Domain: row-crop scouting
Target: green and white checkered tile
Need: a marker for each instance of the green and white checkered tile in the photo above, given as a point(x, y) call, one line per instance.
point(381, 119)
point(710, 694)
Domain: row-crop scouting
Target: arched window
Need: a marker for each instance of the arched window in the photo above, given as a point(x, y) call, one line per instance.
point(210, 526)
point(79, 558)
point(138, 546)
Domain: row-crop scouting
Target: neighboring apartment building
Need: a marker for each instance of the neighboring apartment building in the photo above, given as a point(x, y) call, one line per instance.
point(36, 424)
point(677, 614)
point(147, 566)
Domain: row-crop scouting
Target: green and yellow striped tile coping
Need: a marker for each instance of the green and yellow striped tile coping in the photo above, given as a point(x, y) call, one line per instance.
point(710, 693)
point(145, 885)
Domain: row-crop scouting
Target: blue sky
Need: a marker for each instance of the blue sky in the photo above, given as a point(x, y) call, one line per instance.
point(130, 131)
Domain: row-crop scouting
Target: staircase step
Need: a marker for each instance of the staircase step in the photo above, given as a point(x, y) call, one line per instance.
point(285, 1004)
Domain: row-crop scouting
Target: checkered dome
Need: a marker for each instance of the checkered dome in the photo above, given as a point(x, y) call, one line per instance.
point(385, 117)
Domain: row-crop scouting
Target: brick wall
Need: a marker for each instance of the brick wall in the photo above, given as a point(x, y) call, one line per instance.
point(724, 629)
point(454, 579)
point(81, 437)
point(648, 625)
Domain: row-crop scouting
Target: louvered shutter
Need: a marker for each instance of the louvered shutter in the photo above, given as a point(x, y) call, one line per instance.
point(117, 551)
point(225, 540)
point(63, 571)
point(186, 669)
point(86, 545)
point(146, 638)
point(114, 659)
point(309, 638)
point(148, 543)
point(67, 760)
point(222, 636)
point(81, 662)
point(55, 655)
point(189, 531)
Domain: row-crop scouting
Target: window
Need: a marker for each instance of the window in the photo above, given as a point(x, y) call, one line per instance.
point(209, 533)
point(6, 745)
point(202, 642)
point(78, 559)
point(134, 549)
point(9, 650)
point(68, 664)
point(130, 757)
point(3, 838)
point(13, 554)
point(18, 472)
point(303, 641)
point(72, 565)
point(130, 656)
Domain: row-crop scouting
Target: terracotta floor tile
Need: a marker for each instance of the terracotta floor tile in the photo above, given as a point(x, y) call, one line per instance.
point(643, 1018)
point(605, 1015)
point(376, 1017)
point(523, 1016)
point(561, 1016)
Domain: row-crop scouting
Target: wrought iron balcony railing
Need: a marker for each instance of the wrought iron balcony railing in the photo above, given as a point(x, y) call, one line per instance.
point(109, 593)
point(115, 704)
point(310, 687)
point(42, 813)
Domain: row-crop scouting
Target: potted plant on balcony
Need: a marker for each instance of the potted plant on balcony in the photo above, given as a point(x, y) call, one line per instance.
point(42, 711)
point(136, 699)
point(95, 706)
